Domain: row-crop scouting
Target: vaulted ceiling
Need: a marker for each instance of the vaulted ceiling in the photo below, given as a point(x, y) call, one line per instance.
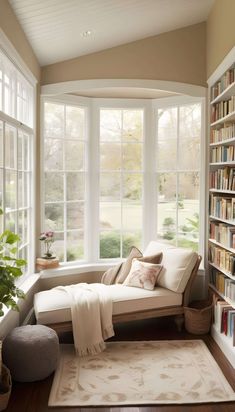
point(63, 29)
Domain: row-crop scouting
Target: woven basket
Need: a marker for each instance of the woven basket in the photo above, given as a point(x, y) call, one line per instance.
point(198, 317)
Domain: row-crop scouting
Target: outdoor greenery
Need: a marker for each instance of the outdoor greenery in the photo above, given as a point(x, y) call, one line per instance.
point(10, 270)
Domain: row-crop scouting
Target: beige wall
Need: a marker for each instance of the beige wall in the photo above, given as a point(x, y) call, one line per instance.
point(12, 29)
point(179, 55)
point(220, 33)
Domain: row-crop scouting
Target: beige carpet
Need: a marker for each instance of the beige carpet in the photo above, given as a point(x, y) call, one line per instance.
point(130, 373)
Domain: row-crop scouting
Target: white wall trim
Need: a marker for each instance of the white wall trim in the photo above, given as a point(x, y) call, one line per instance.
point(80, 85)
point(223, 66)
point(10, 51)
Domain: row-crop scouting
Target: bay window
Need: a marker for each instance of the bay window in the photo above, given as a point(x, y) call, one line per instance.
point(118, 173)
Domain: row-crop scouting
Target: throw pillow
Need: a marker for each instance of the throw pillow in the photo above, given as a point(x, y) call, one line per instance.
point(110, 275)
point(126, 266)
point(143, 275)
point(152, 259)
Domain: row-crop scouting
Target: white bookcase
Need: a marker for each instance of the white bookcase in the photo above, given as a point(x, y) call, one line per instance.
point(221, 236)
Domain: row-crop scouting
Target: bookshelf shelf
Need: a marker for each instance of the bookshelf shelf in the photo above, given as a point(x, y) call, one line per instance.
point(221, 245)
point(219, 164)
point(222, 295)
point(228, 92)
point(223, 142)
point(229, 222)
point(225, 272)
point(227, 192)
point(228, 118)
point(225, 343)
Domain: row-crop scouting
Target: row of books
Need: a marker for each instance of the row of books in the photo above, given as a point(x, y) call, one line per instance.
point(222, 207)
point(223, 284)
point(224, 319)
point(222, 179)
point(223, 154)
point(223, 234)
point(227, 79)
point(226, 132)
point(222, 109)
point(222, 258)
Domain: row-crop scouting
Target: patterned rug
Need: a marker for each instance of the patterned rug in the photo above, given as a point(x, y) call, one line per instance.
point(137, 373)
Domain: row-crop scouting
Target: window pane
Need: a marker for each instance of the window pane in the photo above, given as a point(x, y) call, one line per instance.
point(166, 211)
point(132, 125)
point(109, 186)
point(188, 213)
point(75, 122)
point(54, 120)
point(132, 187)
point(110, 215)
point(167, 139)
point(74, 155)
point(132, 156)
point(131, 216)
point(75, 246)
point(54, 217)
point(53, 154)
point(110, 125)
point(10, 200)
point(58, 246)
point(110, 245)
point(189, 136)
point(10, 219)
point(54, 186)
point(130, 239)
point(10, 147)
point(110, 156)
point(20, 150)
point(75, 186)
point(26, 152)
point(75, 215)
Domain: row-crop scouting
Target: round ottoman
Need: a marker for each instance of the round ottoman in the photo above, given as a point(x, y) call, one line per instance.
point(31, 352)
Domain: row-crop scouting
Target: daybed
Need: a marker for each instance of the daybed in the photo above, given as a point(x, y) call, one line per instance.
point(172, 293)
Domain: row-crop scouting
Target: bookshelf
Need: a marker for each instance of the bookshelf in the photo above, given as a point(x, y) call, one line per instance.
point(221, 237)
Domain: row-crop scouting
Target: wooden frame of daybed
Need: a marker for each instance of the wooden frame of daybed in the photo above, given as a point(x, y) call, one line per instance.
point(143, 314)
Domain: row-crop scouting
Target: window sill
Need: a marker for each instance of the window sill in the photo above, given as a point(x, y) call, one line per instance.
point(64, 270)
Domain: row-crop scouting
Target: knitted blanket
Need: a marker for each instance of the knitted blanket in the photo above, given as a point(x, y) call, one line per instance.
point(91, 311)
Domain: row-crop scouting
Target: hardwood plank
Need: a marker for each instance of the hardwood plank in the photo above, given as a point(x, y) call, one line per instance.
point(33, 397)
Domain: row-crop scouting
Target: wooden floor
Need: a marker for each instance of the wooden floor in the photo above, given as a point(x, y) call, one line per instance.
point(33, 397)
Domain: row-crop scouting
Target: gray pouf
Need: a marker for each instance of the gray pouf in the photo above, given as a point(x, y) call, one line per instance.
point(31, 352)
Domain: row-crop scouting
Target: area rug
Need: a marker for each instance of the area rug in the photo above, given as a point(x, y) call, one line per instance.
point(137, 373)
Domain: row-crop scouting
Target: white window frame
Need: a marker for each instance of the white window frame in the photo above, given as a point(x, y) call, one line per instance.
point(150, 107)
point(10, 52)
point(177, 102)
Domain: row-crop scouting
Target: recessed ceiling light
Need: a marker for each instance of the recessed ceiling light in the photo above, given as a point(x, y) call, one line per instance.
point(86, 33)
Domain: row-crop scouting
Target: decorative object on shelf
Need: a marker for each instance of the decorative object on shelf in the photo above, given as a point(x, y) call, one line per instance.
point(10, 270)
point(47, 238)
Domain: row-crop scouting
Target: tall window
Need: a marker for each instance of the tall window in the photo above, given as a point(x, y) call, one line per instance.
point(178, 174)
point(64, 178)
point(121, 181)
point(16, 149)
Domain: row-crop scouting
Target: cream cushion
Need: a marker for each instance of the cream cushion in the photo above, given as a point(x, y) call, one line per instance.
point(53, 306)
point(177, 263)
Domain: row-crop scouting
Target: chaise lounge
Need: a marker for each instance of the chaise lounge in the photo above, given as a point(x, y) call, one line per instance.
point(168, 298)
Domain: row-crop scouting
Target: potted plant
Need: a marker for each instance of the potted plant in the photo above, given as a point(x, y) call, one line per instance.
point(10, 270)
point(47, 238)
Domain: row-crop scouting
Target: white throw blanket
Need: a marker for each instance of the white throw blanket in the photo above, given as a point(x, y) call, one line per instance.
point(91, 311)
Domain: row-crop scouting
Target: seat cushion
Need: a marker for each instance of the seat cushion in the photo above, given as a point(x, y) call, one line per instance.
point(53, 306)
point(177, 263)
